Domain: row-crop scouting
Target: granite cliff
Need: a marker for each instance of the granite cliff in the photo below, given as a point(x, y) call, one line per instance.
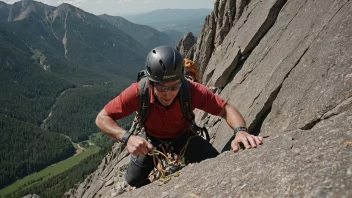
point(286, 66)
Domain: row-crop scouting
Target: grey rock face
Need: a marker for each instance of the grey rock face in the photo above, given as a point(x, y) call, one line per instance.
point(313, 163)
point(286, 66)
point(217, 25)
point(241, 40)
point(205, 47)
point(225, 13)
point(274, 61)
point(319, 84)
point(186, 46)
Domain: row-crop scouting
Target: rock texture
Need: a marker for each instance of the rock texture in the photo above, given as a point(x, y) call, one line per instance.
point(297, 163)
point(241, 40)
point(294, 61)
point(217, 25)
point(187, 46)
point(286, 66)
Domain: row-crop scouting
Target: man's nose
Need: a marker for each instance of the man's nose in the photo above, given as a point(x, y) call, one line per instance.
point(167, 93)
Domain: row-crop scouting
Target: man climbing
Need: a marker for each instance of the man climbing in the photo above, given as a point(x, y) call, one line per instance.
point(166, 124)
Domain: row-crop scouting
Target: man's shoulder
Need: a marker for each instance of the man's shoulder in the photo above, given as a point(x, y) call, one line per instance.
point(196, 86)
point(134, 86)
point(131, 91)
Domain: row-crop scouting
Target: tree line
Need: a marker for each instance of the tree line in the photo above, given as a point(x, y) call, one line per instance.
point(57, 186)
point(25, 149)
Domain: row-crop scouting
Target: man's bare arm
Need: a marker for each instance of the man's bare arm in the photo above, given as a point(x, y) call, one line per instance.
point(109, 126)
point(232, 116)
point(135, 145)
point(234, 119)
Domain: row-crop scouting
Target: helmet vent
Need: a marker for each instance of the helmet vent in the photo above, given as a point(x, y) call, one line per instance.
point(175, 65)
point(162, 65)
point(148, 68)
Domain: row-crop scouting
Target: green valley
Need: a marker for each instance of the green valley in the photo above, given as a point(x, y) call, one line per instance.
point(58, 67)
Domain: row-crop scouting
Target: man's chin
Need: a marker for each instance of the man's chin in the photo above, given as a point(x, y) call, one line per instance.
point(166, 103)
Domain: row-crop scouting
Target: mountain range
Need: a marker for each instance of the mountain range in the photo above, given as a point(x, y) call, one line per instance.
point(45, 52)
point(67, 45)
point(180, 20)
point(146, 35)
point(47, 57)
point(58, 67)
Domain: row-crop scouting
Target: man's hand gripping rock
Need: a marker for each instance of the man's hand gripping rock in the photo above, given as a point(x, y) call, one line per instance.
point(248, 141)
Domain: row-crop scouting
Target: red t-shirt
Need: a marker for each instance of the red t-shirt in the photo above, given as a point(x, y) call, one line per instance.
point(164, 122)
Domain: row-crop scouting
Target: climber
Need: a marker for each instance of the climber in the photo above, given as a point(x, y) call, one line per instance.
point(166, 123)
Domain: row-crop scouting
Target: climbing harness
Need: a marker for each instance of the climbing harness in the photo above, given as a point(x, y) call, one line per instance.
point(167, 163)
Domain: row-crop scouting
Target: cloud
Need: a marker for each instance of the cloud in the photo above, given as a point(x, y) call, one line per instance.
point(10, 1)
point(123, 1)
point(102, 1)
point(149, 1)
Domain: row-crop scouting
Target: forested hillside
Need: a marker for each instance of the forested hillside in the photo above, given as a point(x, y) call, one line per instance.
point(25, 149)
point(58, 67)
point(74, 114)
point(27, 91)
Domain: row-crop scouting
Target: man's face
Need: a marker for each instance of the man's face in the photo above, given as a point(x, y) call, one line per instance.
point(166, 92)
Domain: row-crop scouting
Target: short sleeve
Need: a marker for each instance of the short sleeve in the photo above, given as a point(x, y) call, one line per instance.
point(125, 103)
point(204, 99)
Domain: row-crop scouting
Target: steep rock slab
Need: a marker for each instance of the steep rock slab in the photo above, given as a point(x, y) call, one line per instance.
point(255, 21)
point(216, 27)
point(312, 163)
point(204, 47)
point(240, 5)
point(226, 13)
point(320, 86)
point(256, 86)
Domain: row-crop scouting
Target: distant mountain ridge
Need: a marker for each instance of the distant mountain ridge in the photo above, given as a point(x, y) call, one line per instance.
point(182, 20)
point(162, 15)
point(146, 35)
point(58, 67)
point(45, 50)
point(23, 9)
point(64, 42)
point(78, 37)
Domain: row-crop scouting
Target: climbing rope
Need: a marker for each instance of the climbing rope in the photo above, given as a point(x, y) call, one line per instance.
point(167, 164)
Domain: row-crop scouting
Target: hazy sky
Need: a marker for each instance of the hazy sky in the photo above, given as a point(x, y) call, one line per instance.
point(120, 7)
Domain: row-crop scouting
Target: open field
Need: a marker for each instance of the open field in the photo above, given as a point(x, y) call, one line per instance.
point(50, 171)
